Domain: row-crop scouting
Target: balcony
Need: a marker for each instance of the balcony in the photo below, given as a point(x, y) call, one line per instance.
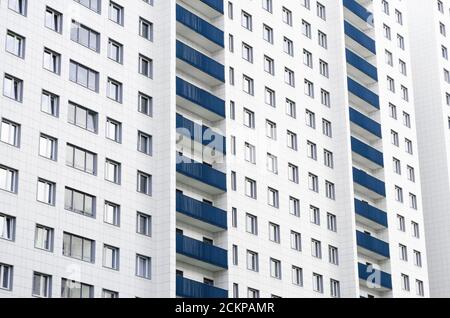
point(188, 288)
point(201, 134)
point(200, 214)
point(201, 254)
point(371, 216)
point(200, 176)
point(371, 246)
point(364, 126)
point(199, 31)
point(357, 14)
point(210, 8)
point(374, 278)
point(360, 69)
point(358, 41)
point(199, 101)
point(368, 185)
point(199, 65)
point(367, 155)
point(362, 96)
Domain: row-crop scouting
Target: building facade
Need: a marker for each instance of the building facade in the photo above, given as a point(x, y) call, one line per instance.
point(209, 148)
point(432, 99)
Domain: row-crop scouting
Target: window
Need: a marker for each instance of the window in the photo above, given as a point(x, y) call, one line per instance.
point(328, 158)
point(296, 241)
point(391, 84)
point(83, 76)
point(316, 248)
point(15, 44)
point(389, 58)
point(313, 182)
point(387, 32)
point(405, 282)
point(267, 5)
point(13, 88)
point(251, 224)
point(310, 118)
point(85, 36)
point(145, 104)
point(109, 294)
point(402, 66)
point(6, 275)
point(50, 103)
point(292, 140)
point(274, 233)
point(325, 98)
point(146, 29)
point(403, 252)
point(287, 16)
point(248, 85)
point(78, 247)
point(82, 117)
point(268, 34)
point(116, 13)
point(250, 153)
point(323, 40)
point(314, 215)
point(392, 111)
point(94, 5)
point(271, 130)
point(115, 51)
point(269, 65)
point(335, 291)
point(46, 192)
point(111, 257)
point(145, 66)
point(331, 222)
point(252, 261)
point(394, 138)
point(317, 283)
point(306, 29)
point(406, 120)
point(145, 143)
point(252, 293)
point(235, 255)
point(247, 52)
point(113, 130)
point(297, 276)
point(288, 46)
point(321, 11)
point(42, 285)
point(294, 206)
point(289, 77)
point(52, 61)
point(272, 163)
point(112, 214)
point(81, 159)
point(10, 133)
point(79, 202)
point(326, 128)
point(8, 179)
point(398, 194)
point(413, 201)
point(231, 43)
point(19, 6)
point(401, 223)
point(74, 289)
point(307, 58)
point(397, 166)
point(323, 66)
point(417, 258)
point(53, 20)
point(270, 97)
point(234, 217)
point(144, 183)
point(309, 88)
point(246, 20)
point(293, 173)
point(143, 224)
point(330, 191)
point(43, 238)
point(112, 171)
point(419, 288)
point(275, 268)
point(7, 227)
point(408, 146)
point(415, 229)
point(114, 90)
point(291, 108)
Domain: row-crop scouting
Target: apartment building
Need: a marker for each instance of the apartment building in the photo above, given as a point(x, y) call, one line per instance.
point(429, 22)
point(209, 148)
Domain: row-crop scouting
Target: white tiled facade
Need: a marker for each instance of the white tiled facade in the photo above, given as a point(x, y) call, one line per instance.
point(307, 180)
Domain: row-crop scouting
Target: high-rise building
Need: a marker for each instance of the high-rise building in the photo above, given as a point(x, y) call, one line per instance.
point(431, 72)
point(209, 148)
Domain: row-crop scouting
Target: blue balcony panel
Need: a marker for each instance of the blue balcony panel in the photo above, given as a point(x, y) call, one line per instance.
point(363, 150)
point(362, 43)
point(201, 176)
point(374, 277)
point(372, 246)
point(362, 66)
point(201, 134)
point(372, 216)
point(367, 124)
point(359, 11)
point(199, 65)
point(363, 94)
point(371, 186)
point(199, 101)
point(202, 214)
point(198, 30)
point(188, 288)
point(201, 254)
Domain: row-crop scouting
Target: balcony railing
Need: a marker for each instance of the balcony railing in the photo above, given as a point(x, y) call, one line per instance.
point(371, 213)
point(202, 172)
point(363, 179)
point(200, 26)
point(363, 93)
point(201, 211)
point(365, 122)
point(374, 276)
point(372, 244)
point(361, 64)
point(359, 11)
point(200, 61)
point(203, 252)
point(188, 288)
point(215, 4)
point(368, 152)
point(360, 37)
